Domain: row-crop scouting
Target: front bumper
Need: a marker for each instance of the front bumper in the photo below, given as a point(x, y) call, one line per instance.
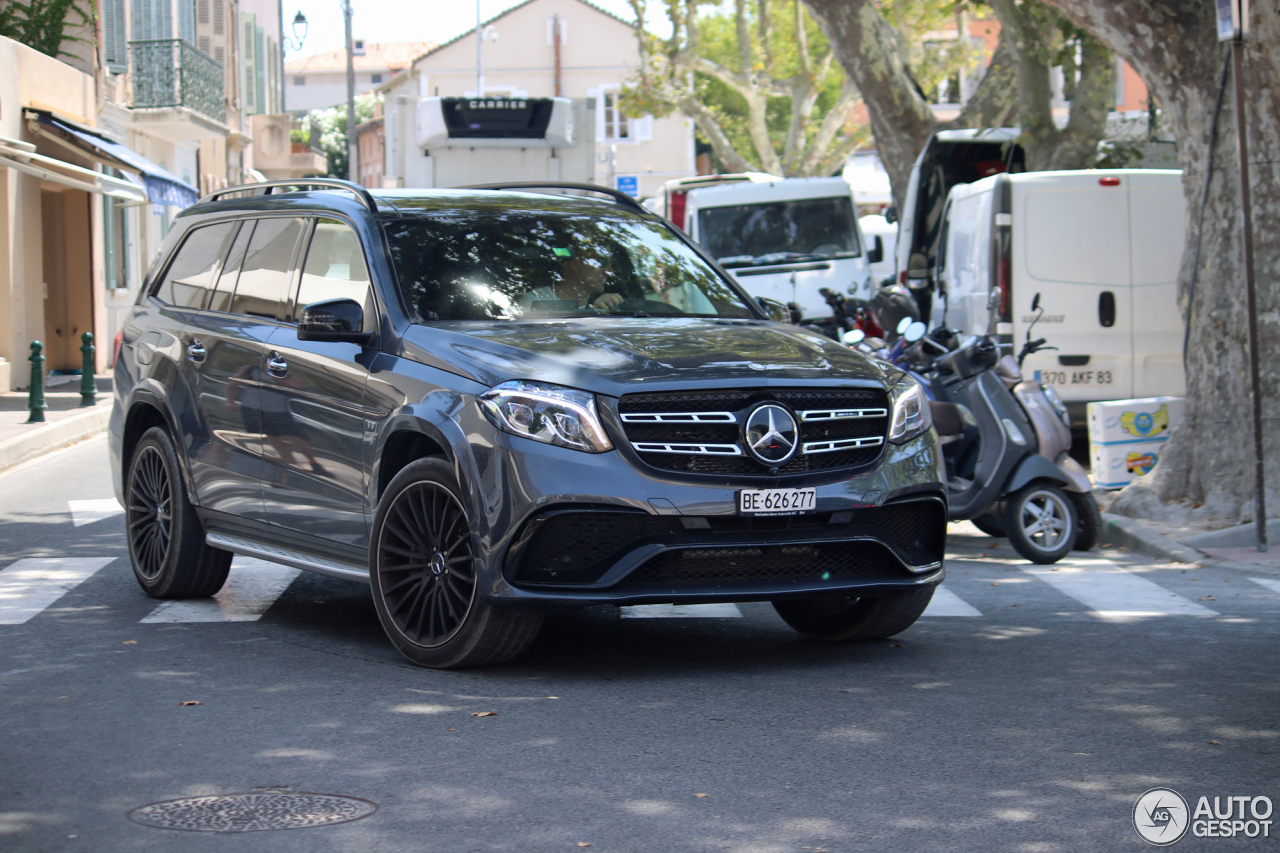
point(567, 529)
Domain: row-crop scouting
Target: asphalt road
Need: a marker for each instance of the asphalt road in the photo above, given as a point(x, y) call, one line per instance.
point(1031, 725)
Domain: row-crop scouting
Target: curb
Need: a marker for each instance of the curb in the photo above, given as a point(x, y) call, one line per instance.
point(53, 436)
point(1130, 533)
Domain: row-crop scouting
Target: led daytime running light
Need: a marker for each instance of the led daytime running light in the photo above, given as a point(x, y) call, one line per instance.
point(551, 414)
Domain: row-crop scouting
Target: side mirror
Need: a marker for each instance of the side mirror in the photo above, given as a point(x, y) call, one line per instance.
point(876, 255)
point(334, 320)
point(891, 214)
point(914, 332)
point(774, 309)
point(855, 336)
point(1035, 302)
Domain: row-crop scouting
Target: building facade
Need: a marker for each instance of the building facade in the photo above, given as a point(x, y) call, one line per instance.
point(320, 81)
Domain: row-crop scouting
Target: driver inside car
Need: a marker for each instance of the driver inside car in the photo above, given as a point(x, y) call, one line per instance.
point(582, 280)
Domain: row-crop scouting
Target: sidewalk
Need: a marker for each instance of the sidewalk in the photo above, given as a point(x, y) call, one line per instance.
point(1233, 548)
point(66, 422)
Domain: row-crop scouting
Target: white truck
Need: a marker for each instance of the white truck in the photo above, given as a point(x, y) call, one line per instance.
point(785, 239)
point(1101, 247)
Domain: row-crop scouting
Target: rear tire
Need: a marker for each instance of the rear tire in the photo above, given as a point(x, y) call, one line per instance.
point(992, 525)
point(1042, 524)
point(422, 573)
point(1090, 518)
point(838, 619)
point(166, 539)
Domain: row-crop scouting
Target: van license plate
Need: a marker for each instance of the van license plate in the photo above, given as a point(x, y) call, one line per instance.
point(776, 501)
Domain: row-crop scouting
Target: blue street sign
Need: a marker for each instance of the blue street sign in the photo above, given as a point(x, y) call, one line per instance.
point(629, 184)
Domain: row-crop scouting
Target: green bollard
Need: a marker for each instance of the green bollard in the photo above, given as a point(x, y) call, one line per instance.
point(88, 385)
point(35, 399)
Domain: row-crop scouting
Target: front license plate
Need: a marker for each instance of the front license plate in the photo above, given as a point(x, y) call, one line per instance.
point(776, 501)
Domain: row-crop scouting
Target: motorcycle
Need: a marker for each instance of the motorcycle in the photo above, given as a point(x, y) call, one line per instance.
point(1006, 441)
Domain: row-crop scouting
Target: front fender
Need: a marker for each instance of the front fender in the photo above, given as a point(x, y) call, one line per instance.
point(1034, 467)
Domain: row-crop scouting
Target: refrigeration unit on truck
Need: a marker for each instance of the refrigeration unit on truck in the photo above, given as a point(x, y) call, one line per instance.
point(1102, 248)
point(785, 239)
point(465, 141)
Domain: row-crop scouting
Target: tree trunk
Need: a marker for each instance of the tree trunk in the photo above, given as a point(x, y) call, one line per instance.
point(1173, 46)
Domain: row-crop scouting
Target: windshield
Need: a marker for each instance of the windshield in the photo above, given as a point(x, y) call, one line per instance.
point(494, 264)
point(746, 233)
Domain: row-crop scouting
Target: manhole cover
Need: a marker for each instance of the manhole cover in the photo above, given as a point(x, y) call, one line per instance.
point(252, 812)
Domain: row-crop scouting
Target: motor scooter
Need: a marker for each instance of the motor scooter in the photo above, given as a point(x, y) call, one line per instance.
point(1006, 441)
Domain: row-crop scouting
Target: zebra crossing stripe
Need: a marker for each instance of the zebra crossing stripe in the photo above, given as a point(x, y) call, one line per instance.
point(1269, 583)
point(680, 611)
point(87, 512)
point(947, 603)
point(1113, 593)
point(29, 586)
point(251, 588)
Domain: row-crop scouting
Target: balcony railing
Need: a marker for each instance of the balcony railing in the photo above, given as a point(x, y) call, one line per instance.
point(173, 73)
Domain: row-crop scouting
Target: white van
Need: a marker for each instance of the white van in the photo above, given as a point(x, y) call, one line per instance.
point(1101, 247)
point(785, 239)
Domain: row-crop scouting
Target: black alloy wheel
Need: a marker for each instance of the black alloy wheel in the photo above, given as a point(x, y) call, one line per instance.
point(425, 567)
point(423, 576)
point(166, 539)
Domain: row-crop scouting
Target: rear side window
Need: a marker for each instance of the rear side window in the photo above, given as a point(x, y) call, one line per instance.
point(264, 274)
point(335, 267)
point(226, 285)
point(190, 276)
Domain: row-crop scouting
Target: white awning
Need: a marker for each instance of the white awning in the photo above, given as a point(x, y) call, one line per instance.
point(22, 157)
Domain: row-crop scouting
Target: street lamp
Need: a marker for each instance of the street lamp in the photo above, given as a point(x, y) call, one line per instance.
point(294, 44)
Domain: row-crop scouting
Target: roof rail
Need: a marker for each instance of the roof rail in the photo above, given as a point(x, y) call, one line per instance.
point(265, 187)
point(618, 196)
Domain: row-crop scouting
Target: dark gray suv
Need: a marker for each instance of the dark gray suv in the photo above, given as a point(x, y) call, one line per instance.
point(489, 403)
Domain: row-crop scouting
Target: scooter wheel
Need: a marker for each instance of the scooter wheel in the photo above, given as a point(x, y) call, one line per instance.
point(1042, 524)
point(1090, 519)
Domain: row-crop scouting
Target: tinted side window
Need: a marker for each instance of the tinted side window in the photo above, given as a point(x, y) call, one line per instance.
point(335, 268)
point(190, 275)
point(225, 288)
point(264, 275)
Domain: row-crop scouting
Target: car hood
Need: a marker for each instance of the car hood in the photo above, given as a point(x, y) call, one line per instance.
point(613, 356)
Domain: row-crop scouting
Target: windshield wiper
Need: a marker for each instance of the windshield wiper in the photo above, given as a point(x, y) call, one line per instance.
point(776, 258)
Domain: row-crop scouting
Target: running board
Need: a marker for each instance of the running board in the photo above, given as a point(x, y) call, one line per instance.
point(297, 559)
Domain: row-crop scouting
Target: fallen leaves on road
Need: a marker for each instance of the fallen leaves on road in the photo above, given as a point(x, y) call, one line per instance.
point(1208, 598)
point(129, 643)
point(700, 796)
point(484, 713)
point(993, 545)
point(583, 844)
point(190, 702)
point(1216, 742)
point(898, 646)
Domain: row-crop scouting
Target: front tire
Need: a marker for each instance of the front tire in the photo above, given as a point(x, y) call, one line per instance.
point(423, 576)
point(1042, 524)
point(166, 539)
point(838, 619)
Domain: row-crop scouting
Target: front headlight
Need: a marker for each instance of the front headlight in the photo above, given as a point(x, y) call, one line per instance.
point(1054, 400)
point(911, 415)
point(546, 413)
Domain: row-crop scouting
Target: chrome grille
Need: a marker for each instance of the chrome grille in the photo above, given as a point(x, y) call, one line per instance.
point(700, 432)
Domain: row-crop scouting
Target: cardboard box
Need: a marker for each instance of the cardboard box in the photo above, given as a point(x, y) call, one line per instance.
point(1116, 465)
point(1133, 420)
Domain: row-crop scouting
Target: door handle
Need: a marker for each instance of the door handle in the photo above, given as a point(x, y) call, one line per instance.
point(276, 365)
point(196, 351)
point(1107, 309)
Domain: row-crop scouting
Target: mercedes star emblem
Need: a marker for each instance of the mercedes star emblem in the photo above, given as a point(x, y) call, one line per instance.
point(771, 434)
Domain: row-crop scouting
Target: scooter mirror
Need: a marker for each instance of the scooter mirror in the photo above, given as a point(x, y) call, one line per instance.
point(856, 336)
point(914, 331)
point(903, 325)
point(1035, 302)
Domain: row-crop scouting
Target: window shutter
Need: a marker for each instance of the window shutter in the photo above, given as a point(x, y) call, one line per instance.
point(219, 18)
point(249, 62)
point(202, 11)
point(260, 78)
point(598, 96)
point(187, 20)
point(642, 129)
point(115, 38)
